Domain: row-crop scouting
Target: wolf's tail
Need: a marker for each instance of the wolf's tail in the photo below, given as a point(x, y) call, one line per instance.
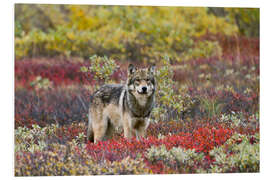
point(90, 133)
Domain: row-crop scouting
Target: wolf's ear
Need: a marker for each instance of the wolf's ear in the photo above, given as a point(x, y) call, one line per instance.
point(152, 69)
point(131, 69)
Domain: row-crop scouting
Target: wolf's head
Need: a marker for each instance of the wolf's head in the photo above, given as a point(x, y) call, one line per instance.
point(141, 82)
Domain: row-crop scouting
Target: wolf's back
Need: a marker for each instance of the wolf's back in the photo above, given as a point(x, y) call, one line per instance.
point(109, 93)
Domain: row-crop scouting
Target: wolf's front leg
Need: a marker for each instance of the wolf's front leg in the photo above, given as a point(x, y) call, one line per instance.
point(140, 133)
point(128, 131)
point(141, 128)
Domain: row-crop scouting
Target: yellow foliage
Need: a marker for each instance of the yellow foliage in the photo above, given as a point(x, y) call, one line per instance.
point(126, 32)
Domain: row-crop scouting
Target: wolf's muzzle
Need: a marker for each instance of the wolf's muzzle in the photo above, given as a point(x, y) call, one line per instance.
point(144, 89)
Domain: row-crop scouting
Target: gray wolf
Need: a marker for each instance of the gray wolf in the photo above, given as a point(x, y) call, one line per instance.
point(123, 105)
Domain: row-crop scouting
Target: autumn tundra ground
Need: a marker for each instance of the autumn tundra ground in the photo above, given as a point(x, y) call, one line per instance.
point(206, 116)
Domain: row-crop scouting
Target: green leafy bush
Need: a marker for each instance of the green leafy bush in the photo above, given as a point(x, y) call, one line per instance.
point(166, 94)
point(41, 83)
point(236, 120)
point(34, 139)
point(102, 67)
point(240, 153)
point(176, 158)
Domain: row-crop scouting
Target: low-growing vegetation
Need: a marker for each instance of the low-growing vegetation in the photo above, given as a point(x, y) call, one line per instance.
point(206, 117)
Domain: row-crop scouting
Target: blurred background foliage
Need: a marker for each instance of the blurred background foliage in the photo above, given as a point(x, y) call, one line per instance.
point(127, 32)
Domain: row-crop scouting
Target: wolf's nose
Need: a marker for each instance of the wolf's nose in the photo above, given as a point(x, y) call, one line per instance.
point(144, 89)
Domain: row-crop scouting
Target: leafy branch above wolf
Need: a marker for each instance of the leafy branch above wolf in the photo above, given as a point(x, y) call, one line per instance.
point(123, 105)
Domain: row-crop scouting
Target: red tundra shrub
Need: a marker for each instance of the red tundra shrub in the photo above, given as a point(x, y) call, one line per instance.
point(59, 73)
point(202, 140)
point(53, 106)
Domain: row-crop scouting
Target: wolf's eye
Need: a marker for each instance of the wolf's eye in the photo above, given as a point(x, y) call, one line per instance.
point(137, 82)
